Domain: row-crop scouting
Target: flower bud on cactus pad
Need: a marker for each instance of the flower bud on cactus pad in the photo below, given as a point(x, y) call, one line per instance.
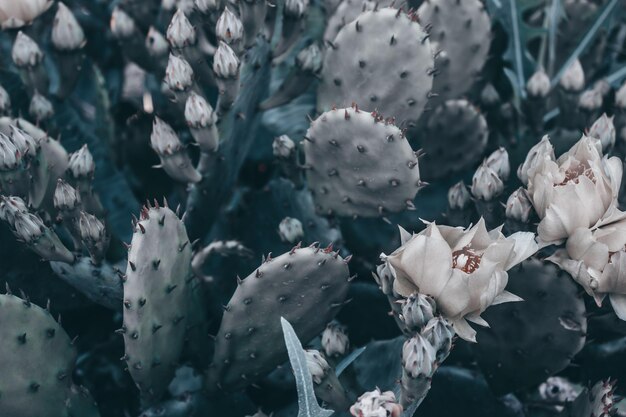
point(538, 85)
point(458, 196)
point(180, 32)
point(67, 35)
point(290, 230)
point(26, 52)
point(201, 120)
point(178, 74)
point(518, 206)
point(40, 108)
point(335, 340)
point(486, 184)
point(499, 162)
point(174, 157)
point(66, 198)
point(417, 310)
point(81, 164)
point(439, 333)
point(122, 25)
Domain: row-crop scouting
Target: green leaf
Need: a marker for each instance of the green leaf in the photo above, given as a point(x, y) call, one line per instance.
point(307, 402)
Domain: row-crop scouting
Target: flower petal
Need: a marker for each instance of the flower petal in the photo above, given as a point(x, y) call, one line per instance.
point(524, 247)
point(463, 329)
point(506, 297)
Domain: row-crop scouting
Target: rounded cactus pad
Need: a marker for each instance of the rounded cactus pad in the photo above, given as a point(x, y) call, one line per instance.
point(36, 362)
point(306, 286)
point(157, 296)
point(455, 139)
point(359, 164)
point(346, 12)
point(381, 60)
point(543, 332)
point(461, 35)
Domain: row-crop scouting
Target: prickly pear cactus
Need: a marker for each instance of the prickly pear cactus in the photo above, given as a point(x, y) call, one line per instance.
point(306, 286)
point(544, 332)
point(454, 139)
point(382, 61)
point(346, 173)
point(461, 33)
point(156, 296)
point(346, 12)
point(36, 363)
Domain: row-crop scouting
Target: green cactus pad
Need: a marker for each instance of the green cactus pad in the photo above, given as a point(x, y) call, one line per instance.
point(543, 332)
point(455, 139)
point(306, 286)
point(157, 295)
point(359, 164)
point(383, 61)
point(461, 30)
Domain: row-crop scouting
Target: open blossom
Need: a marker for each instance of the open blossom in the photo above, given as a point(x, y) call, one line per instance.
point(464, 270)
point(574, 191)
point(596, 258)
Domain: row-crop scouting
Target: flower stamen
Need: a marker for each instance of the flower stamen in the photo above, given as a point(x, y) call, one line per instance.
point(466, 260)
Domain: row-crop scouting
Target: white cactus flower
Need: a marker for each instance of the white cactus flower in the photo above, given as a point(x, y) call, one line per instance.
point(419, 357)
point(417, 310)
point(66, 197)
point(463, 270)
point(486, 183)
point(534, 159)
point(225, 62)
point(15, 14)
point(178, 74)
point(198, 112)
point(518, 206)
point(283, 147)
point(499, 162)
point(574, 191)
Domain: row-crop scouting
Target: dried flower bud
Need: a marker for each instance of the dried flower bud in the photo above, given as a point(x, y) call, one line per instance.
point(318, 366)
point(24, 142)
point(290, 230)
point(310, 59)
point(534, 159)
point(178, 74)
point(283, 147)
point(417, 310)
point(67, 35)
point(122, 25)
point(15, 14)
point(28, 227)
point(418, 357)
point(574, 77)
point(557, 390)
point(296, 8)
point(538, 84)
point(590, 100)
point(499, 162)
point(603, 129)
point(81, 164)
point(518, 206)
point(66, 198)
point(10, 207)
point(10, 157)
point(225, 62)
point(40, 108)
point(486, 184)
point(198, 112)
point(25, 52)
point(5, 101)
point(207, 6)
point(458, 196)
point(439, 333)
point(335, 340)
point(156, 43)
point(180, 32)
point(376, 404)
point(229, 28)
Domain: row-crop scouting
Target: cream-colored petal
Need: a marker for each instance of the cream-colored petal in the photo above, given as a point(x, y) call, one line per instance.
point(476, 319)
point(524, 247)
point(455, 298)
point(613, 168)
point(613, 279)
point(582, 246)
point(618, 301)
point(404, 235)
point(506, 297)
point(576, 269)
point(499, 252)
point(463, 329)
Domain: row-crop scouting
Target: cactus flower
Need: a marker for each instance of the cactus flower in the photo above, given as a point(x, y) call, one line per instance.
point(534, 159)
point(486, 183)
point(499, 162)
point(463, 270)
point(318, 366)
point(376, 404)
point(518, 206)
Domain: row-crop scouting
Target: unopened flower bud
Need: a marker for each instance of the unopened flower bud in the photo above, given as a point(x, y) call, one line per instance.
point(225, 62)
point(557, 390)
point(310, 59)
point(538, 84)
point(122, 25)
point(198, 112)
point(67, 35)
point(174, 159)
point(81, 164)
point(10, 157)
point(180, 32)
point(290, 230)
point(486, 184)
point(335, 340)
point(439, 333)
point(163, 139)
point(518, 206)
point(574, 77)
point(603, 129)
point(458, 196)
point(15, 14)
point(207, 6)
point(5, 101)
point(418, 357)
point(134, 85)
point(384, 278)
point(318, 366)
point(40, 108)
point(376, 404)
point(283, 147)
point(296, 8)
point(229, 28)
point(590, 100)
point(24, 142)
point(534, 159)
point(26, 52)
point(28, 227)
point(11, 207)
point(489, 95)
point(66, 198)
point(417, 310)
point(499, 162)
point(178, 74)
point(91, 229)
point(156, 43)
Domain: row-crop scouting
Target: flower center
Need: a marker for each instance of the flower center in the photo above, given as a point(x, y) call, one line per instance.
point(466, 260)
point(572, 174)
